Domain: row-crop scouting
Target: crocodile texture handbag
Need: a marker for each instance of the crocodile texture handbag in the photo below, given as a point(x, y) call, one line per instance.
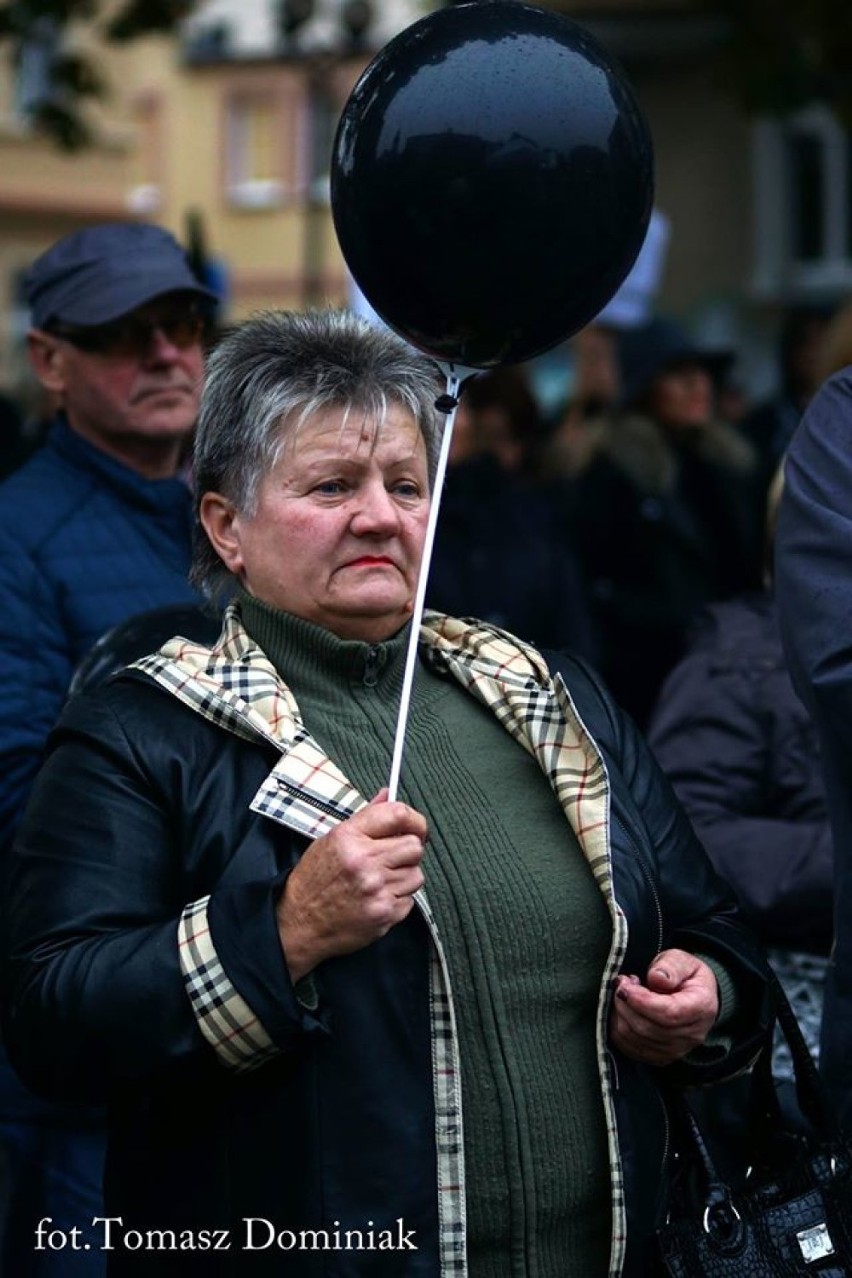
point(792, 1213)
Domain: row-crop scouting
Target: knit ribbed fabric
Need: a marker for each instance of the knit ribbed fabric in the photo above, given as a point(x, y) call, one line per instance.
point(526, 932)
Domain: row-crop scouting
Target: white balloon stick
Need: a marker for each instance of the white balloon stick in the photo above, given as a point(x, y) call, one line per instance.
point(420, 594)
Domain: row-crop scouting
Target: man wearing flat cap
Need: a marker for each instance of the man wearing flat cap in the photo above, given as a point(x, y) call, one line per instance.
point(95, 528)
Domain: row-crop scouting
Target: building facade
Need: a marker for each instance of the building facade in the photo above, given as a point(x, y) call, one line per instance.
point(225, 132)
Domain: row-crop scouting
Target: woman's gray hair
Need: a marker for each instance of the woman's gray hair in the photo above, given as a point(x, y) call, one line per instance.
point(271, 374)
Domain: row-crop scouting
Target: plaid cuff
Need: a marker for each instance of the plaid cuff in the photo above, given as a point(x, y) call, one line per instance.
point(224, 1017)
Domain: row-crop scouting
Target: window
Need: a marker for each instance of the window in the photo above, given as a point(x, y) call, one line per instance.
point(253, 145)
point(145, 197)
point(803, 204)
point(33, 84)
point(323, 114)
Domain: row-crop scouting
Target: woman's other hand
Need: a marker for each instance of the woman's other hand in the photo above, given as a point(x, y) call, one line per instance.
point(668, 1016)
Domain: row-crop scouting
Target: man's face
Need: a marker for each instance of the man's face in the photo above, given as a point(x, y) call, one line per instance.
point(133, 383)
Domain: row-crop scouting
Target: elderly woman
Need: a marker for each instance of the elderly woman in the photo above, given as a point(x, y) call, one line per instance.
point(341, 1035)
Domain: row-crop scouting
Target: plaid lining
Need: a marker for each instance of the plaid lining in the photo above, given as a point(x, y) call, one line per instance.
point(446, 1085)
point(234, 685)
point(306, 790)
point(224, 1018)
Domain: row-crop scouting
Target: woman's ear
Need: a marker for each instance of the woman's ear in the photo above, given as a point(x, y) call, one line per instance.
point(220, 521)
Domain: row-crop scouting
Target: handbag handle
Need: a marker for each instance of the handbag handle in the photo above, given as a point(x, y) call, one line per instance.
point(810, 1091)
point(766, 1118)
point(798, 1196)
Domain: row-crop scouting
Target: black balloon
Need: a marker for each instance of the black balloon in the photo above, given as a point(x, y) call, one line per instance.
point(491, 182)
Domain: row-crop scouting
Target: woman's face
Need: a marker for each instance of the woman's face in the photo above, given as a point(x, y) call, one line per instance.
point(683, 397)
point(337, 534)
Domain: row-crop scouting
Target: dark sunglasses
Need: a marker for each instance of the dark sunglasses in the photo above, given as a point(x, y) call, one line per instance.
point(132, 335)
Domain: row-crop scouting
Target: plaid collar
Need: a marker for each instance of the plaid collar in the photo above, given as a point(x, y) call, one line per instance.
point(235, 685)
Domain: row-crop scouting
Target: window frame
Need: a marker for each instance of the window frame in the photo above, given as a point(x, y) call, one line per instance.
point(778, 271)
point(243, 188)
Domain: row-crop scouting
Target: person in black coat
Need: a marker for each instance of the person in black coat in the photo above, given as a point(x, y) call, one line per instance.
point(743, 755)
point(500, 552)
point(662, 512)
point(803, 343)
point(813, 572)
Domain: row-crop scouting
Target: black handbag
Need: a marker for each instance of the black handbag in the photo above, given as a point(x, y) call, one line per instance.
point(791, 1214)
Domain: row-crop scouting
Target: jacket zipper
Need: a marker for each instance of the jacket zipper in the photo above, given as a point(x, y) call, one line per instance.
point(311, 801)
point(372, 666)
point(667, 1141)
point(649, 879)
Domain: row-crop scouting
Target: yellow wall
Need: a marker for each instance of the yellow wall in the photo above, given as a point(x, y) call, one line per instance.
point(45, 193)
point(160, 153)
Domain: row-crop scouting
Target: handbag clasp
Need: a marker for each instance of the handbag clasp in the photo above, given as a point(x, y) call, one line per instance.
point(815, 1243)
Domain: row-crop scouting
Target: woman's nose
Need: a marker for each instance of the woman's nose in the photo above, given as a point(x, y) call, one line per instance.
point(376, 510)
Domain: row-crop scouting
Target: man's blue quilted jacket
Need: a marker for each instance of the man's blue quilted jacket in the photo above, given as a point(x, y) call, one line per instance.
point(85, 543)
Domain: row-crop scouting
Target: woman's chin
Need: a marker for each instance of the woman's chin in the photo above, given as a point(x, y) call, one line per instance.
point(371, 618)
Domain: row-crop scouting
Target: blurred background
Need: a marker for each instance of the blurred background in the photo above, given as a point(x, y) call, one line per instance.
point(216, 119)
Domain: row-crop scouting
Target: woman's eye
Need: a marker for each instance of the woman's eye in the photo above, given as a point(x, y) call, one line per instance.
point(329, 487)
point(407, 488)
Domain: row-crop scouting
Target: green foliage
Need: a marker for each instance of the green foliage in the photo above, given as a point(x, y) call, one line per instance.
point(66, 126)
point(19, 18)
point(147, 17)
point(74, 76)
point(77, 77)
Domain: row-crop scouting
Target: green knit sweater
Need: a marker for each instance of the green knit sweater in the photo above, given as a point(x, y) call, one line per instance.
point(526, 932)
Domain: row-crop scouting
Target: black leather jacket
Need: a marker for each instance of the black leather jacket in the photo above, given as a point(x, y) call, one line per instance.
point(152, 801)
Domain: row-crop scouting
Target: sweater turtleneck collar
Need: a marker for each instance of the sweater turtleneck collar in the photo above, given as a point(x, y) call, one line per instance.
point(309, 657)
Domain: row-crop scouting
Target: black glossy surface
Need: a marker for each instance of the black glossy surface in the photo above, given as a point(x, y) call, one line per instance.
point(139, 635)
point(492, 181)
